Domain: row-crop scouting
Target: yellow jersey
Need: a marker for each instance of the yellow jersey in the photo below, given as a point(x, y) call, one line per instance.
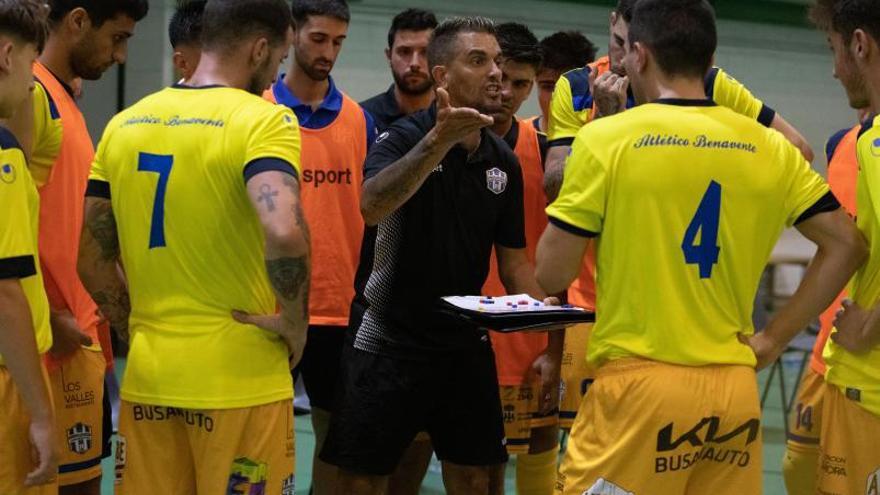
point(48, 132)
point(19, 230)
point(687, 199)
point(175, 166)
point(858, 375)
point(571, 106)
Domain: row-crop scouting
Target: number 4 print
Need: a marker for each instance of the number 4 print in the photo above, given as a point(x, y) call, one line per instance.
point(705, 254)
point(160, 164)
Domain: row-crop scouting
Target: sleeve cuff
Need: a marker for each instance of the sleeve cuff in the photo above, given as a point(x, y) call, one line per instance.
point(261, 165)
point(826, 203)
point(98, 189)
point(571, 229)
point(560, 142)
point(519, 244)
point(17, 267)
point(766, 116)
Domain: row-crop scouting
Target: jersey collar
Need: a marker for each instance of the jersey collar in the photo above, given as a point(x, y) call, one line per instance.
point(331, 104)
point(685, 102)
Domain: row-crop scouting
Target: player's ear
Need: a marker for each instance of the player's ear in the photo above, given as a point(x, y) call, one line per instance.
point(438, 73)
point(260, 51)
point(860, 44)
point(6, 55)
point(179, 62)
point(78, 21)
point(642, 54)
point(388, 54)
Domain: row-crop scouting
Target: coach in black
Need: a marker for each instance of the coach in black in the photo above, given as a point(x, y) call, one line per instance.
point(443, 191)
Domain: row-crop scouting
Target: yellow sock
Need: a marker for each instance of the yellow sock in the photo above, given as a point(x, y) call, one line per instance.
point(536, 473)
point(800, 465)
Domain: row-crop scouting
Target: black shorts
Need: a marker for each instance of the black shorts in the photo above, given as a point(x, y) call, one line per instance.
point(320, 363)
point(384, 402)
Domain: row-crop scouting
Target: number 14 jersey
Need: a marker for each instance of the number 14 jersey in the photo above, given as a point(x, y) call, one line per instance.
point(175, 167)
point(687, 199)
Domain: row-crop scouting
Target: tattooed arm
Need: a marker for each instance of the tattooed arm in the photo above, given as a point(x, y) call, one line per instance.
point(276, 199)
point(388, 190)
point(98, 264)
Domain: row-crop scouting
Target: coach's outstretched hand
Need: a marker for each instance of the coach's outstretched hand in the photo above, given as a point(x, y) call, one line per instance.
point(456, 123)
point(280, 326)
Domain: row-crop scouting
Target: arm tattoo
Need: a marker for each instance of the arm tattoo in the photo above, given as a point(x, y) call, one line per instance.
point(267, 195)
point(102, 226)
point(553, 182)
point(115, 304)
point(290, 278)
point(396, 184)
point(293, 185)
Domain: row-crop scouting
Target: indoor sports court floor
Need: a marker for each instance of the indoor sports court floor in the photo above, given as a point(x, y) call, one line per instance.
point(774, 443)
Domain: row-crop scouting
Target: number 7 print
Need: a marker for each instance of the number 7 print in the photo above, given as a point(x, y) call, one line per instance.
point(160, 164)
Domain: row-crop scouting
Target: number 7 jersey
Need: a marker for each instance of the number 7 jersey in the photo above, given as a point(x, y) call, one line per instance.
point(175, 167)
point(688, 200)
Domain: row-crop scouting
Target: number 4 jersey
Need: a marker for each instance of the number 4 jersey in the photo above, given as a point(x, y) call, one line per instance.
point(175, 166)
point(688, 200)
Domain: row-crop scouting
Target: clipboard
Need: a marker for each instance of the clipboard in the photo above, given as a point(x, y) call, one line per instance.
point(517, 313)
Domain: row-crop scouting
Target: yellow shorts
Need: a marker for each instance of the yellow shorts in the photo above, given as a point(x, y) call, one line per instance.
point(78, 388)
point(15, 444)
point(849, 463)
point(520, 407)
point(576, 375)
point(247, 451)
point(805, 422)
point(654, 428)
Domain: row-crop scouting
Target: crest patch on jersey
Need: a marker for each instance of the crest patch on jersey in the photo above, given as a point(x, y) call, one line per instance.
point(496, 180)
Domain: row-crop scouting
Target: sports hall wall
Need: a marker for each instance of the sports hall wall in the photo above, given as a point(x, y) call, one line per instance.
point(788, 67)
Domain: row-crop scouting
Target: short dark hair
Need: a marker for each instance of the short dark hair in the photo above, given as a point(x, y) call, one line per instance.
point(411, 20)
point(680, 33)
point(845, 16)
point(226, 22)
point(519, 44)
point(185, 27)
point(25, 19)
point(625, 8)
point(303, 9)
point(567, 50)
point(100, 11)
point(440, 49)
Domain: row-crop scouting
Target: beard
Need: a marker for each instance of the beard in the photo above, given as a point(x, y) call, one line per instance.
point(310, 70)
point(83, 65)
point(412, 89)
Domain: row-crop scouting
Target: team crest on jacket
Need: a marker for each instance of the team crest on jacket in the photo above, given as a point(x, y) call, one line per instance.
point(496, 180)
point(79, 438)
